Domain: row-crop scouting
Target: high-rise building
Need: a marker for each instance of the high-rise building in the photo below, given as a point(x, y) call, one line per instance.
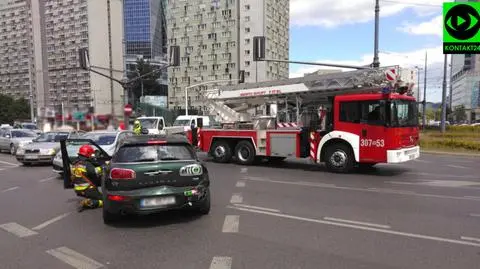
point(17, 76)
point(145, 29)
point(92, 24)
point(216, 42)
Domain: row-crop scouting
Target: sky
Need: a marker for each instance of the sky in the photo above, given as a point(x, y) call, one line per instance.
point(342, 31)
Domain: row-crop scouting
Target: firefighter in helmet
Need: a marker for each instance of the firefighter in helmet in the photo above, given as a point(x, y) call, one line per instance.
point(137, 127)
point(86, 176)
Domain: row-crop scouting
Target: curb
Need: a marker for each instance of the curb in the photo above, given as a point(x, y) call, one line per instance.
point(450, 153)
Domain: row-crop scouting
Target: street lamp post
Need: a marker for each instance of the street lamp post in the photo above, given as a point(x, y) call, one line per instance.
point(201, 84)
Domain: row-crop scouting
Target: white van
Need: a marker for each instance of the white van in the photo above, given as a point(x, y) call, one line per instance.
point(187, 121)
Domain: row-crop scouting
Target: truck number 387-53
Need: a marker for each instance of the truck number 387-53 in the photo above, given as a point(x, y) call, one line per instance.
point(379, 143)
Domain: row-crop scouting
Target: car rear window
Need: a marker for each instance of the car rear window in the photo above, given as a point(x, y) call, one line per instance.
point(153, 153)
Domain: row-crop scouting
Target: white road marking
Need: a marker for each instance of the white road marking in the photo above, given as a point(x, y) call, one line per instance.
point(231, 223)
point(237, 198)
point(74, 258)
point(240, 184)
point(12, 164)
point(244, 170)
point(17, 229)
point(472, 197)
point(470, 238)
point(357, 227)
point(369, 190)
point(421, 161)
point(258, 207)
point(457, 166)
point(11, 189)
point(47, 179)
point(391, 191)
point(221, 263)
point(439, 175)
point(475, 215)
point(439, 183)
point(358, 222)
point(48, 222)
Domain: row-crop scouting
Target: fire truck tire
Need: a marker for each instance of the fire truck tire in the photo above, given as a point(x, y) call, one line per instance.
point(339, 158)
point(221, 152)
point(245, 153)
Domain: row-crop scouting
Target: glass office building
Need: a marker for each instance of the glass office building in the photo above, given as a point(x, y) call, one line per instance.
point(145, 29)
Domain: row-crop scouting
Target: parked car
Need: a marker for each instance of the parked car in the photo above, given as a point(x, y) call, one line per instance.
point(27, 125)
point(12, 139)
point(107, 140)
point(154, 173)
point(44, 147)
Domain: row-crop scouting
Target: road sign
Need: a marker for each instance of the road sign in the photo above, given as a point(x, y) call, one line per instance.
point(391, 75)
point(128, 109)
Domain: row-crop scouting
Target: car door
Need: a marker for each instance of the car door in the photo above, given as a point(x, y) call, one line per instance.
point(372, 139)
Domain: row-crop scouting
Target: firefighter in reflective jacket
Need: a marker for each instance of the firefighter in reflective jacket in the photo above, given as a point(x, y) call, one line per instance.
point(86, 176)
point(137, 127)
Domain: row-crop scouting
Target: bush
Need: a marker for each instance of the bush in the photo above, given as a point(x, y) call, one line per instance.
point(457, 138)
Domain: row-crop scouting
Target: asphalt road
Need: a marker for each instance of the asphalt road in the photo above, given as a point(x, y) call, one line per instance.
point(423, 214)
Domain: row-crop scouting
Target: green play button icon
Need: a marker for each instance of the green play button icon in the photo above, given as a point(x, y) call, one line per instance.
point(460, 21)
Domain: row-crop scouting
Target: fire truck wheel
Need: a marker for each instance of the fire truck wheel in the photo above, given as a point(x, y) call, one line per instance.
point(339, 158)
point(245, 153)
point(221, 152)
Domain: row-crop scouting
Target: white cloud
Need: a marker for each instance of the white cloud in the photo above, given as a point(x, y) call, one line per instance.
point(432, 27)
point(331, 13)
point(435, 59)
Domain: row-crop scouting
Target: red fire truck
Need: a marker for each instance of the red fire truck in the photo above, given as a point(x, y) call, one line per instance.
point(346, 120)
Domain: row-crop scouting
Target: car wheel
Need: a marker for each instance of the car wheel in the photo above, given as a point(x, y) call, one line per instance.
point(245, 153)
point(221, 152)
point(13, 150)
point(204, 207)
point(339, 158)
point(110, 218)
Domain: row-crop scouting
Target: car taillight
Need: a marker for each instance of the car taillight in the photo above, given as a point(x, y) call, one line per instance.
point(117, 198)
point(122, 174)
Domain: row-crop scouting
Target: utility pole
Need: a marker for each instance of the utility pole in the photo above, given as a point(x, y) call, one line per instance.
point(424, 120)
point(444, 95)
point(110, 55)
point(376, 62)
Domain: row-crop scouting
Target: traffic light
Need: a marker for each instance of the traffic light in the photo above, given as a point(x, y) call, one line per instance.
point(84, 58)
point(258, 48)
point(241, 76)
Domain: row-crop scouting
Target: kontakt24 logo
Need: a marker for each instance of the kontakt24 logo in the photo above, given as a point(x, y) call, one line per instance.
point(461, 28)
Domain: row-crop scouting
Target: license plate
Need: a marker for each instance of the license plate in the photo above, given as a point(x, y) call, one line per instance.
point(158, 201)
point(411, 157)
point(31, 157)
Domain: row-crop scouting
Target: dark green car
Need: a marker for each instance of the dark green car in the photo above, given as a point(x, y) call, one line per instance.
point(149, 174)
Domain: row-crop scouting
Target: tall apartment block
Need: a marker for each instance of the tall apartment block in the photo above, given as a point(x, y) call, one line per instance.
point(216, 42)
point(92, 24)
point(17, 71)
point(39, 42)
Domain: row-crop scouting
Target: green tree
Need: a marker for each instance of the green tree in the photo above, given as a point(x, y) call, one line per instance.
point(150, 85)
point(13, 109)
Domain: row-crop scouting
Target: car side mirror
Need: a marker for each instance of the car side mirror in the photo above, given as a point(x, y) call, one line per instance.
point(7, 136)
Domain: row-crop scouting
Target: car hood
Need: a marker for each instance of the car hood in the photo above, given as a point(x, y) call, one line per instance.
point(42, 145)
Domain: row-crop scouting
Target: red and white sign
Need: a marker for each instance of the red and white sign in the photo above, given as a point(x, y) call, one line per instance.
point(267, 91)
point(391, 75)
point(128, 109)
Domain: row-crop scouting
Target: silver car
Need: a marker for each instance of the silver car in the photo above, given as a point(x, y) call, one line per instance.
point(12, 139)
point(107, 140)
point(43, 148)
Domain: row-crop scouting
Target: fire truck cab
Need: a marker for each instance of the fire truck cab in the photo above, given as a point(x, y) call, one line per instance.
point(349, 127)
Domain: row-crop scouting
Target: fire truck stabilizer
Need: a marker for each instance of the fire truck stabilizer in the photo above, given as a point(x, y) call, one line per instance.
point(347, 120)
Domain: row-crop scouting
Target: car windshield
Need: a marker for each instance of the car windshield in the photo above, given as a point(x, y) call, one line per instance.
point(153, 153)
point(403, 113)
point(101, 139)
point(51, 137)
point(149, 123)
point(181, 123)
point(21, 134)
point(30, 126)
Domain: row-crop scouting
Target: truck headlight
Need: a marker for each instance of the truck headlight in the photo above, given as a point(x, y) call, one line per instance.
point(191, 170)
